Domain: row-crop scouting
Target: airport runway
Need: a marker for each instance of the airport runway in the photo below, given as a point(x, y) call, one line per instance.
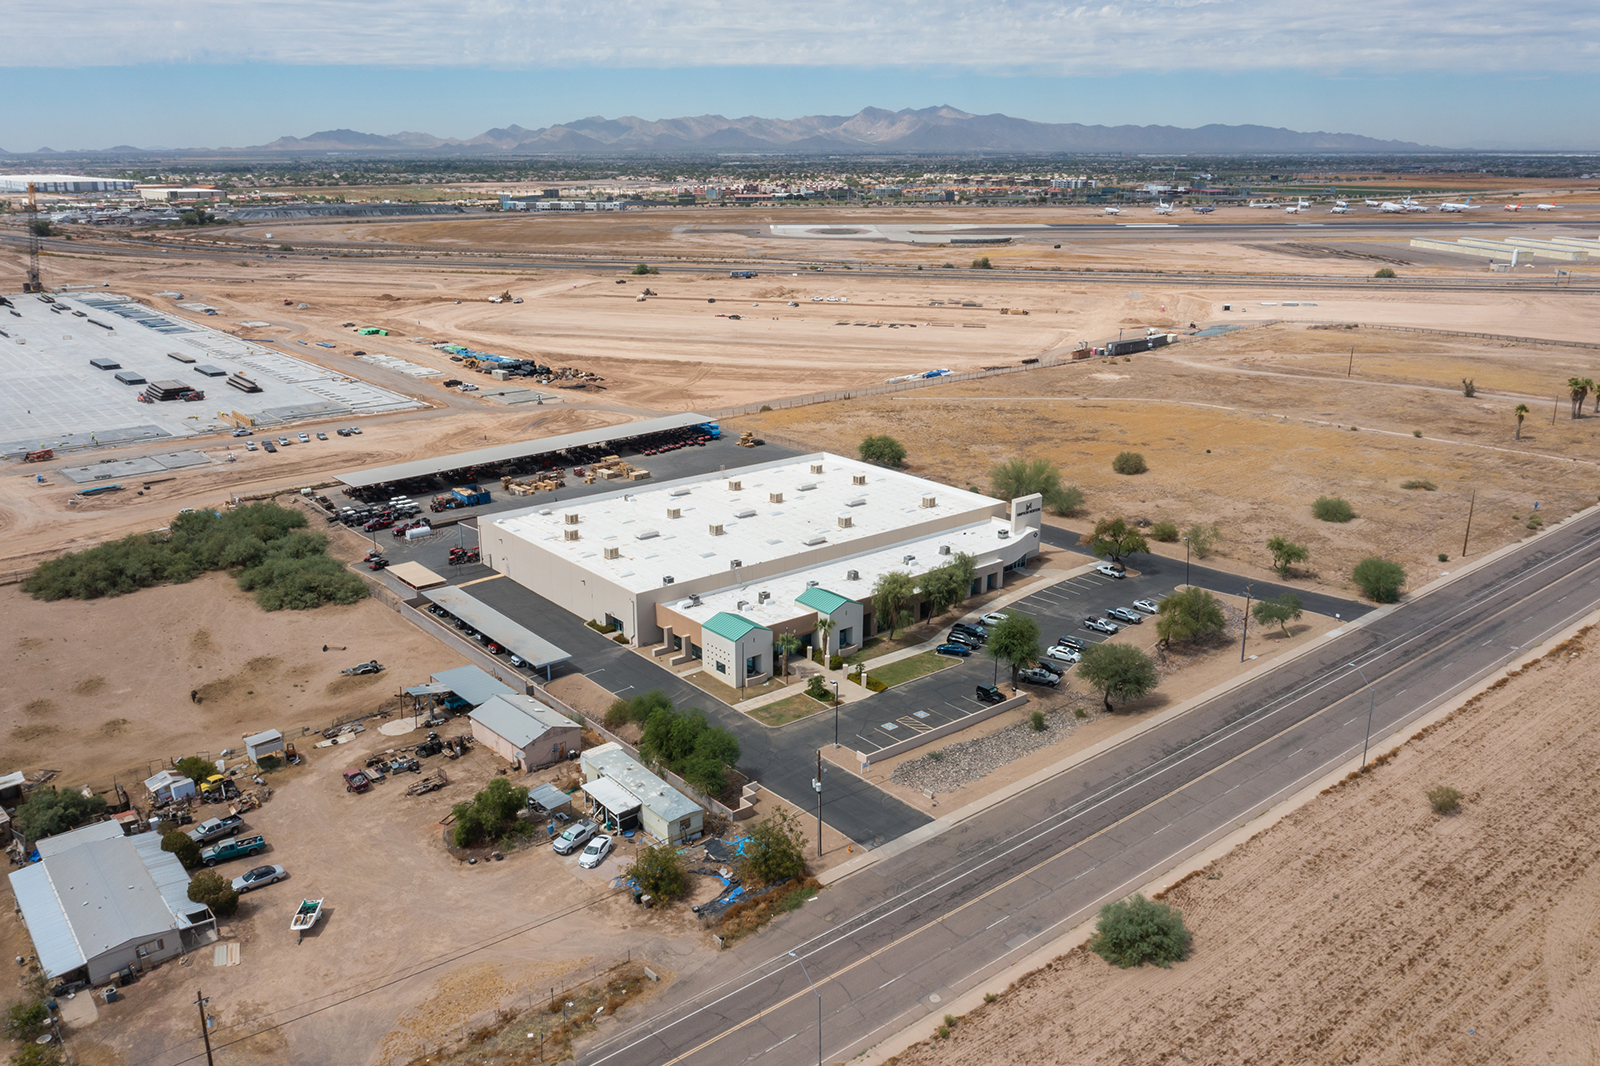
point(919, 928)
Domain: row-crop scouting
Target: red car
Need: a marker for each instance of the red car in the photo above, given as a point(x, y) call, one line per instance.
point(356, 781)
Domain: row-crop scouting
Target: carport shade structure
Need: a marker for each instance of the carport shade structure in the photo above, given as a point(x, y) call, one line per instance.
point(472, 684)
point(617, 803)
point(532, 648)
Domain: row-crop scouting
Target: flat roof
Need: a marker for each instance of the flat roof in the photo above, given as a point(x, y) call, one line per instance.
point(652, 546)
point(379, 475)
point(417, 576)
point(613, 761)
point(520, 719)
point(521, 641)
point(549, 797)
point(473, 684)
point(612, 796)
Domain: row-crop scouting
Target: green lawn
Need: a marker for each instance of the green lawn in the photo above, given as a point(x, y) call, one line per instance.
point(882, 645)
point(903, 670)
point(787, 710)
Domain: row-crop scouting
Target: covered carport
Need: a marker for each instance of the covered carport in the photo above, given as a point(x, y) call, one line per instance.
point(515, 638)
point(614, 805)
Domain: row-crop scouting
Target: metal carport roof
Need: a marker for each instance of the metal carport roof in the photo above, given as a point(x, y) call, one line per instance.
point(549, 797)
point(379, 475)
point(539, 653)
point(612, 796)
point(473, 684)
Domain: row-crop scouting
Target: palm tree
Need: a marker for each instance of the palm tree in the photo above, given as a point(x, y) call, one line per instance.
point(1589, 383)
point(788, 644)
point(825, 626)
point(1578, 389)
point(1522, 412)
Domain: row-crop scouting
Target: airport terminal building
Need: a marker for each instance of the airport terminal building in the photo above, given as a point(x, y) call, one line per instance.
point(718, 567)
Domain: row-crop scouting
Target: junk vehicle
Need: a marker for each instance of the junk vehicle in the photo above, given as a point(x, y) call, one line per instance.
point(216, 828)
point(356, 781)
point(233, 849)
point(304, 918)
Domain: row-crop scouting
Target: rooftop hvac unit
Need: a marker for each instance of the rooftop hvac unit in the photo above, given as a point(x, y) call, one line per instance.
point(735, 486)
point(859, 501)
point(908, 558)
point(775, 497)
point(852, 575)
point(858, 479)
point(646, 534)
point(816, 468)
point(930, 501)
point(666, 579)
point(572, 519)
point(844, 521)
point(694, 599)
point(944, 549)
point(747, 513)
point(680, 492)
point(812, 584)
point(742, 605)
point(674, 512)
point(808, 486)
point(734, 564)
point(1005, 534)
point(572, 534)
point(815, 539)
point(612, 553)
point(763, 597)
point(716, 529)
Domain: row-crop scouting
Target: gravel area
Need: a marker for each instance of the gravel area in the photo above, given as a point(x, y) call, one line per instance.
point(949, 768)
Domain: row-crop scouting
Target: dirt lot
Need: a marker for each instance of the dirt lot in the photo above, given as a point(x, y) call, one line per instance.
point(100, 689)
point(1365, 927)
point(1247, 430)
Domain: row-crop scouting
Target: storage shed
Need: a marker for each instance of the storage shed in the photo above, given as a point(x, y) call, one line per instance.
point(97, 902)
point(168, 787)
point(525, 732)
point(269, 742)
point(11, 786)
point(664, 812)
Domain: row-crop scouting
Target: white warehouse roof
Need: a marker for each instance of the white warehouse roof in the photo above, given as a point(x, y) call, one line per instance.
point(61, 183)
point(816, 510)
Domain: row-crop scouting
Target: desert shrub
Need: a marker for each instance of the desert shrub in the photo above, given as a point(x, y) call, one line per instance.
point(1534, 522)
point(179, 843)
point(1023, 477)
point(1129, 463)
point(1443, 557)
point(1384, 272)
point(883, 450)
point(688, 745)
point(645, 268)
point(659, 871)
point(1189, 615)
point(1469, 388)
point(1135, 931)
point(195, 768)
point(25, 1021)
point(1202, 538)
point(1036, 721)
point(44, 814)
point(638, 709)
point(216, 892)
point(1444, 799)
point(765, 408)
point(1332, 509)
point(982, 263)
point(1165, 532)
point(1380, 579)
point(616, 714)
point(491, 812)
point(1416, 433)
point(777, 849)
point(1419, 483)
point(36, 1055)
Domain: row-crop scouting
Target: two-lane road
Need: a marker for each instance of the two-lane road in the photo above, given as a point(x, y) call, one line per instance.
point(924, 926)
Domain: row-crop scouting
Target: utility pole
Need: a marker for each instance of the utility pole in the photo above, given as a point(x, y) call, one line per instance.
point(1352, 365)
point(1468, 533)
point(1555, 411)
point(817, 784)
point(205, 1033)
point(1246, 634)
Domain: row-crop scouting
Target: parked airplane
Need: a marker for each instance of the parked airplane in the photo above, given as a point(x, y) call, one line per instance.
point(1267, 205)
point(1450, 208)
point(1339, 208)
point(1389, 207)
point(1202, 209)
point(1373, 203)
point(1163, 208)
point(1513, 207)
point(1298, 206)
point(1545, 207)
point(1113, 210)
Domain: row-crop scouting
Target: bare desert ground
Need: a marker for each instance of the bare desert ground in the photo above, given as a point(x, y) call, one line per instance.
point(1364, 927)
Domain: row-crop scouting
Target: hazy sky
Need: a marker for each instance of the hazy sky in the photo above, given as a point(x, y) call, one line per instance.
point(90, 73)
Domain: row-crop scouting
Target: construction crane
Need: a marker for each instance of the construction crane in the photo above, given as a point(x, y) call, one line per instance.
point(33, 284)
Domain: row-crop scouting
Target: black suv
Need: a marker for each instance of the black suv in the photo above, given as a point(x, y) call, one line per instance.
point(991, 694)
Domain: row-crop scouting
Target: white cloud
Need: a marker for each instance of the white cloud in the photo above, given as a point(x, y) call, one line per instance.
point(996, 36)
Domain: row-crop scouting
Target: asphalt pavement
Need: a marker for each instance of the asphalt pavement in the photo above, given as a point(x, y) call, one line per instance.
point(889, 944)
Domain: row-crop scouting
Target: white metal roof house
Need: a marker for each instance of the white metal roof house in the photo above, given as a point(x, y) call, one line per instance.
point(524, 731)
point(614, 777)
point(97, 901)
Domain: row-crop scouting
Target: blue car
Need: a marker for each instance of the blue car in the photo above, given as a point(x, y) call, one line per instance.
point(954, 649)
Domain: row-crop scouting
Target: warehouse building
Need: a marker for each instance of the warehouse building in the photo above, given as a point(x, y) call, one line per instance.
point(525, 732)
point(62, 183)
point(98, 902)
point(627, 796)
point(718, 567)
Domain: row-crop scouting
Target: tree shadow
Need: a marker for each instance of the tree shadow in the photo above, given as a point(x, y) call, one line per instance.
point(1294, 631)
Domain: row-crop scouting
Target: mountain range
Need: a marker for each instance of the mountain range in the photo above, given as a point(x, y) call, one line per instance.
point(870, 131)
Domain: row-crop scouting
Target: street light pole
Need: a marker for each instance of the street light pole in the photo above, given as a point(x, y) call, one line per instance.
point(817, 784)
point(1186, 562)
point(814, 991)
point(835, 685)
point(1246, 634)
point(1372, 703)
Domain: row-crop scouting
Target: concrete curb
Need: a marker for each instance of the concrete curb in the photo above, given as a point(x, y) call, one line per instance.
point(1168, 878)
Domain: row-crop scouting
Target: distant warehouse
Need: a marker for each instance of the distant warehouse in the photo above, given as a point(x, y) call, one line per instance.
point(62, 183)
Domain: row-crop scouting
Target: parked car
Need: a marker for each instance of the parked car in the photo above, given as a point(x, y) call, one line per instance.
point(958, 637)
point(1146, 606)
point(1035, 676)
point(990, 694)
point(517, 660)
point(1107, 570)
point(305, 438)
point(216, 828)
point(342, 432)
point(595, 853)
point(1133, 618)
point(977, 631)
point(269, 446)
point(232, 849)
point(242, 432)
point(953, 649)
point(1046, 664)
point(993, 619)
point(1063, 655)
point(575, 836)
point(1100, 626)
point(1071, 642)
point(356, 781)
point(261, 875)
point(283, 442)
point(322, 436)
point(355, 430)
point(250, 445)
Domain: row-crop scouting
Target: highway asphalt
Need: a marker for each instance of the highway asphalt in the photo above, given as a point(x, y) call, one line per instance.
point(921, 927)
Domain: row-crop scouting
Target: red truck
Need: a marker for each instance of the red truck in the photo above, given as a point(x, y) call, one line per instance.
point(356, 781)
